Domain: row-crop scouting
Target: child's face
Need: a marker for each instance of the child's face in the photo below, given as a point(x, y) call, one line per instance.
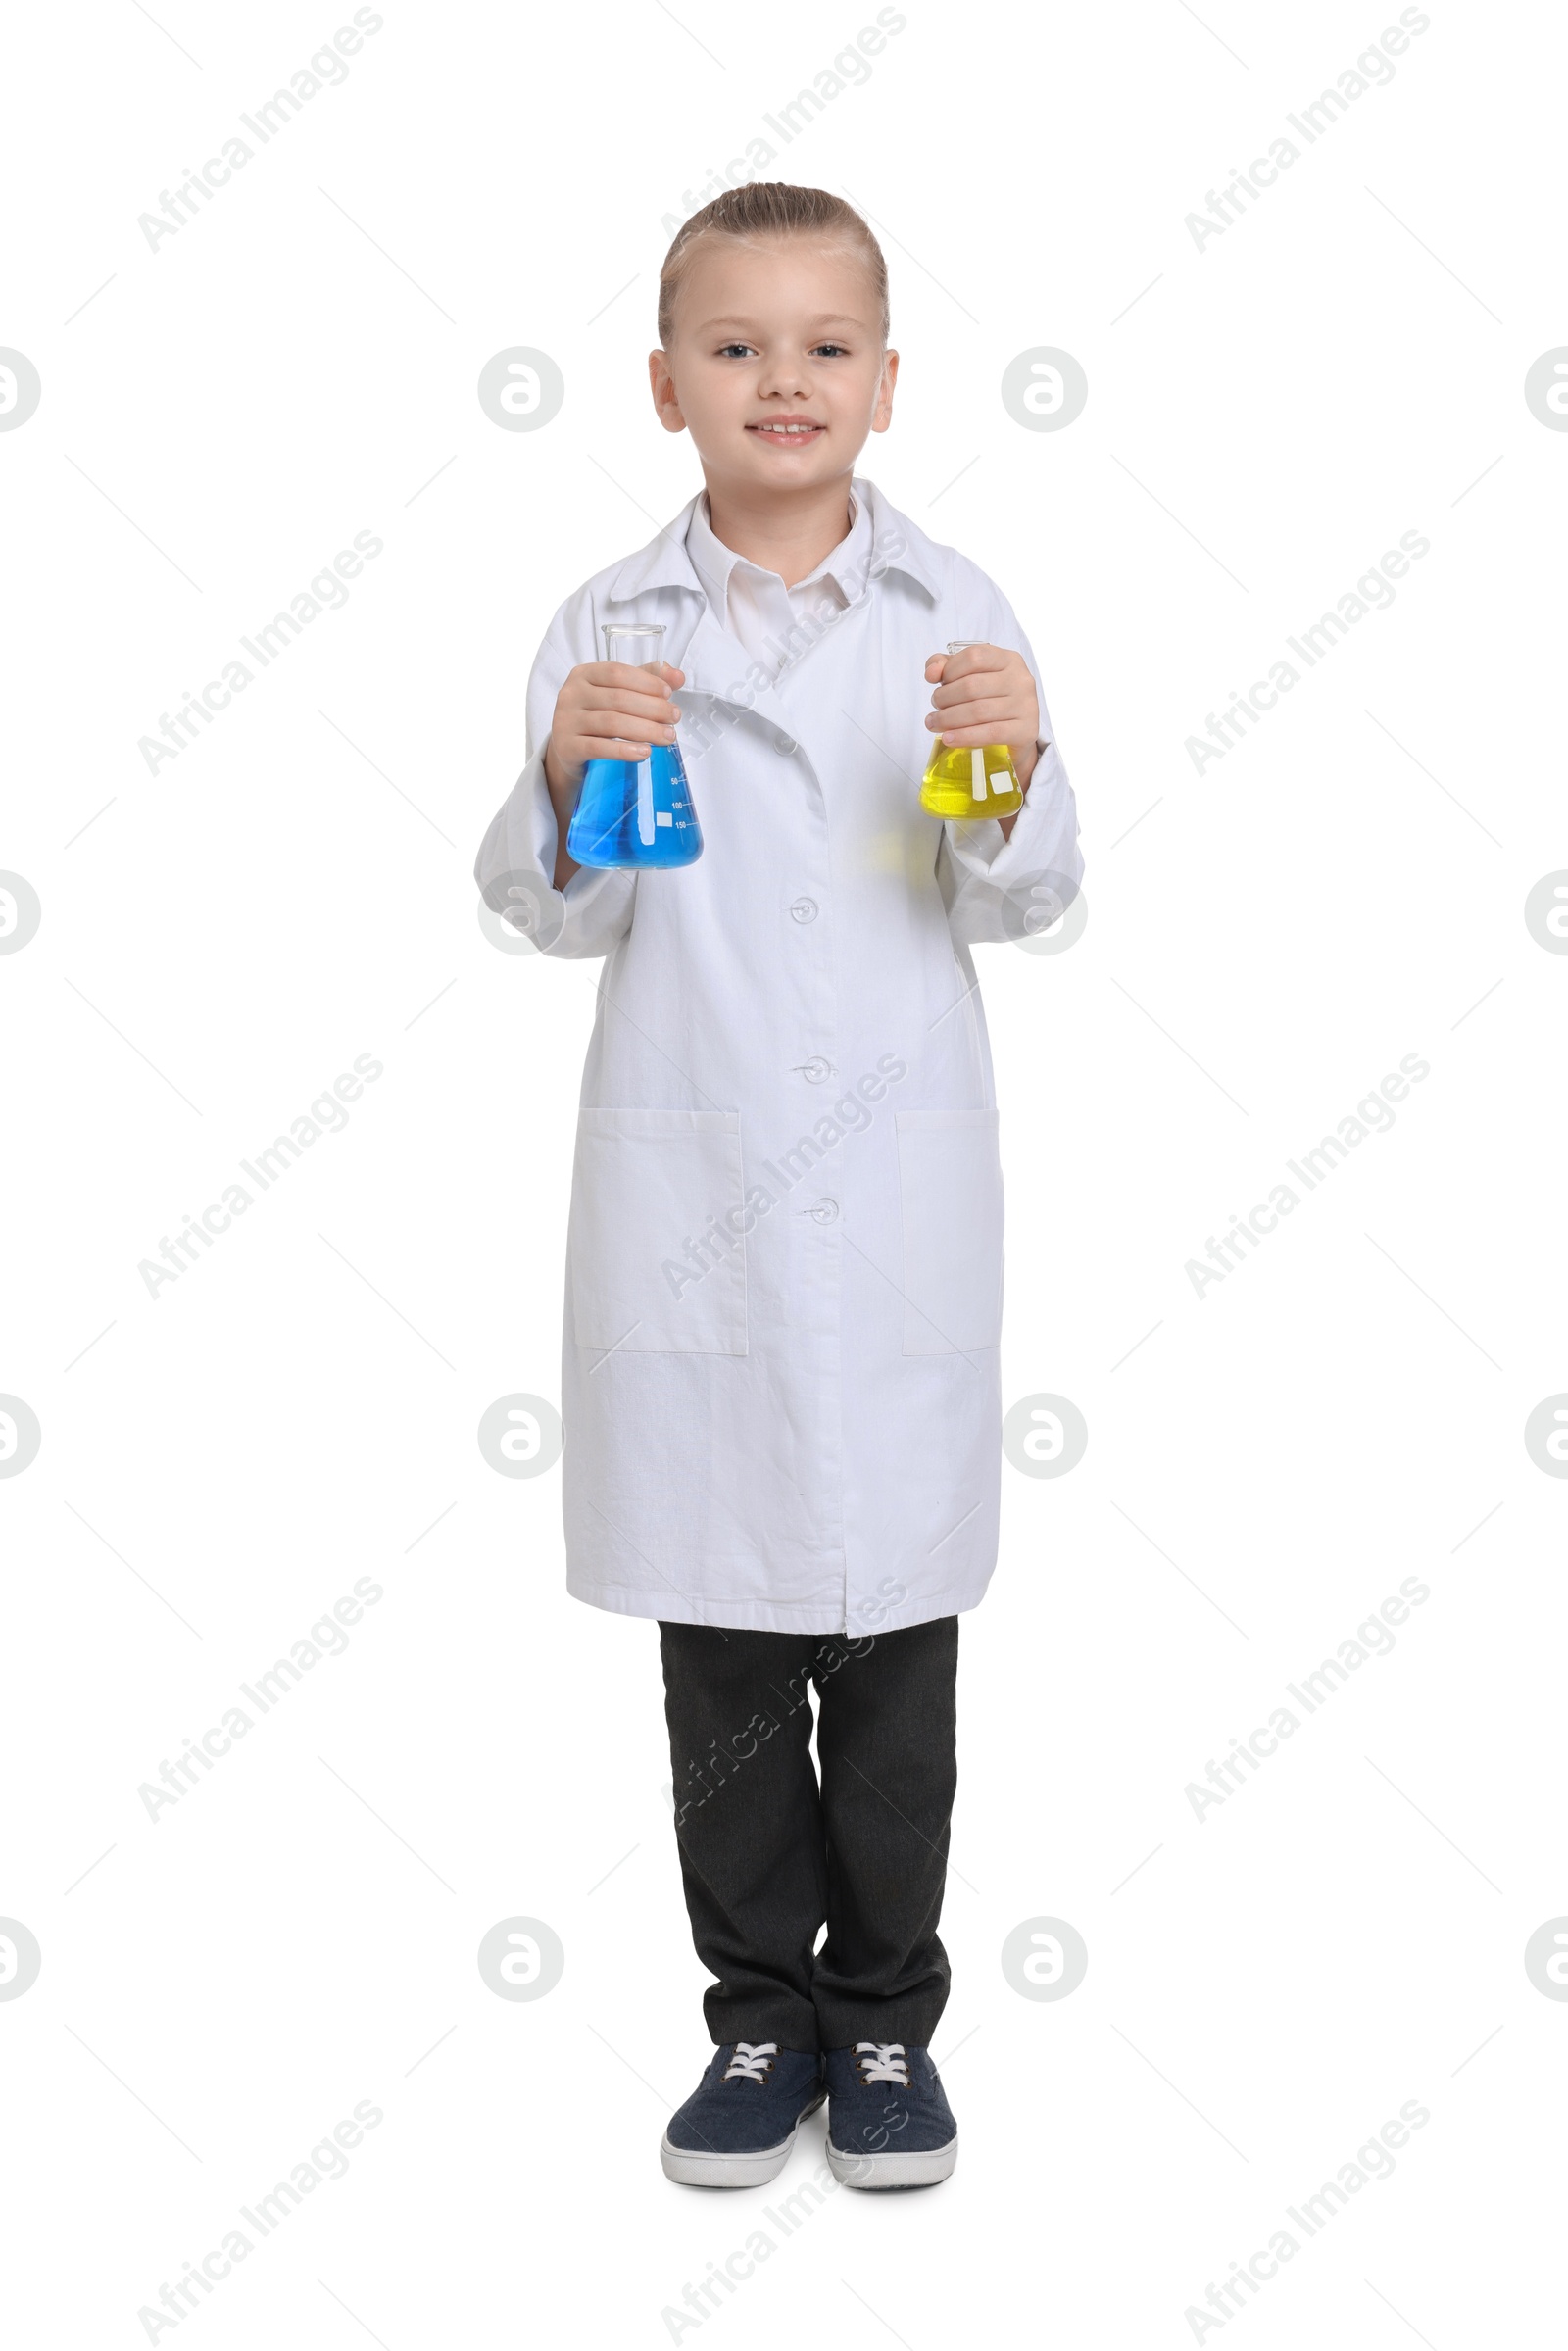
point(786, 329)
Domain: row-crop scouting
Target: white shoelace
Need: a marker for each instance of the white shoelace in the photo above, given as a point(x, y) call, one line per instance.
point(886, 2062)
point(750, 2061)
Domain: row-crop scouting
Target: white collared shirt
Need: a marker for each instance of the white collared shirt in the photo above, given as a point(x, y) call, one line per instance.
point(754, 606)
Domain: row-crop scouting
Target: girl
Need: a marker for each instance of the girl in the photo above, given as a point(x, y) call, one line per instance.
point(783, 1296)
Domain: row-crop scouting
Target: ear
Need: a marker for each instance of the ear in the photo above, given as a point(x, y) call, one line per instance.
point(661, 384)
point(882, 416)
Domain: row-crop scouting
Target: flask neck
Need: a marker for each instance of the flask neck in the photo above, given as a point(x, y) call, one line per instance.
point(643, 647)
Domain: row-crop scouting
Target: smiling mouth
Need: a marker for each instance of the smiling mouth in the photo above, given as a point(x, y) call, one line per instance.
point(793, 435)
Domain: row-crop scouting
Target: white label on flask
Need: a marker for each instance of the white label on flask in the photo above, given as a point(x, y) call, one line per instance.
point(977, 771)
point(645, 801)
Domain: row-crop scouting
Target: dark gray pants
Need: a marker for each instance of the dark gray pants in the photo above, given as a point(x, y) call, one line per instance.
point(767, 1855)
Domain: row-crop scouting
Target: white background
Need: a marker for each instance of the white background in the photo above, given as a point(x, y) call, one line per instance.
point(1267, 415)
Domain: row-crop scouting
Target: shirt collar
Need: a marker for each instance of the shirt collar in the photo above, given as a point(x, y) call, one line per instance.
point(666, 559)
point(845, 564)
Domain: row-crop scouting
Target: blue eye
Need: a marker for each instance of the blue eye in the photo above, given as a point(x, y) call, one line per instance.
point(740, 350)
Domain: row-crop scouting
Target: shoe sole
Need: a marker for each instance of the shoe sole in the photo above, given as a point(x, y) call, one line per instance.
point(695, 2167)
point(926, 2169)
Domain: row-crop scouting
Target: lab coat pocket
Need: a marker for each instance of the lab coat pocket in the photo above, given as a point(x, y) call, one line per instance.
point(949, 1184)
point(647, 1184)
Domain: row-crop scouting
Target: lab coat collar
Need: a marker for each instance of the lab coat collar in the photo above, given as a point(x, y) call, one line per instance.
point(896, 546)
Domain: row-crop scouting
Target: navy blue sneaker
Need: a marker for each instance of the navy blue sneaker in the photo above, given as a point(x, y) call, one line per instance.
point(737, 2128)
point(889, 2122)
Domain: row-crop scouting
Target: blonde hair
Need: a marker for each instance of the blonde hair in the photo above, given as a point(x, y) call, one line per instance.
point(770, 208)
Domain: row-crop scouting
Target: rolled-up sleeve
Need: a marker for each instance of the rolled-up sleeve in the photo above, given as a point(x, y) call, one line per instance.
point(993, 886)
point(517, 859)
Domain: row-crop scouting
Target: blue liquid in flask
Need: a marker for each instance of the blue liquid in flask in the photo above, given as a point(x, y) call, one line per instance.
point(635, 812)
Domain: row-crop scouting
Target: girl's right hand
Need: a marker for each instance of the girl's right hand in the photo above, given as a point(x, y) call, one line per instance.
point(609, 711)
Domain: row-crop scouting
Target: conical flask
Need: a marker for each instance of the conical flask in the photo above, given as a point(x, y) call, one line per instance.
point(635, 812)
point(969, 780)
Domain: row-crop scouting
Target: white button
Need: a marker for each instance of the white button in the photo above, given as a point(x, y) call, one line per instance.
point(804, 909)
point(824, 1210)
point(783, 744)
point(815, 1069)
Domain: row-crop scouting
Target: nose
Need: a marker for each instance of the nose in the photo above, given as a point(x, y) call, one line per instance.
point(787, 377)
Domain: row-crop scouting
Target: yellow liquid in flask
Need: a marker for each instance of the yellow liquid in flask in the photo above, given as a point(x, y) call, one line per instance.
point(967, 782)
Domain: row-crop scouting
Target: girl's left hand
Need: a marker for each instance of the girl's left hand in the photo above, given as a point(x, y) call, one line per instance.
point(986, 695)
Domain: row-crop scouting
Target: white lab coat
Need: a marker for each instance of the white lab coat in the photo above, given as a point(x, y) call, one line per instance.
point(783, 1298)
